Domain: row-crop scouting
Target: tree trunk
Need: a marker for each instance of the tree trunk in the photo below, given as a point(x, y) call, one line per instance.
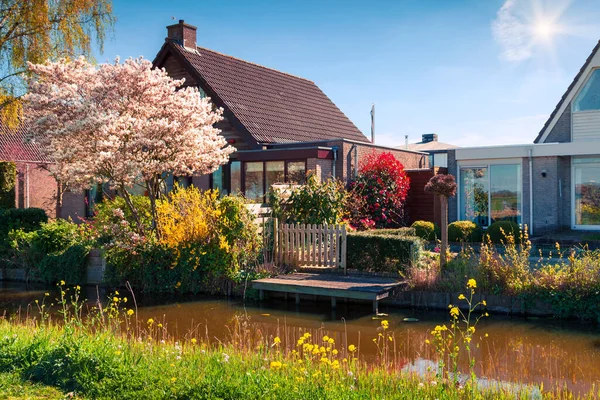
point(59, 199)
point(153, 186)
point(136, 215)
point(444, 228)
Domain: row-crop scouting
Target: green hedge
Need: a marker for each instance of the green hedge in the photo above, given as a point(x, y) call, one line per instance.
point(395, 232)
point(8, 180)
point(27, 219)
point(426, 230)
point(464, 231)
point(498, 231)
point(373, 252)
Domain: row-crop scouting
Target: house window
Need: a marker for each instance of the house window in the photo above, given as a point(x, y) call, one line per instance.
point(491, 193)
point(275, 173)
point(589, 97)
point(254, 180)
point(296, 172)
point(587, 192)
point(236, 177)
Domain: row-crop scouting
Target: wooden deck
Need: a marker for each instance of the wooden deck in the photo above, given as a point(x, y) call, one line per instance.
point(336, 286)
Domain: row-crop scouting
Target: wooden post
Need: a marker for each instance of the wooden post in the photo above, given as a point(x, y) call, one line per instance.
point(333, 302)
point(319, 243)
point(336, 249)
point(275, 240)
point(444, 247)
point(261, 295)
point(344, 250)
point(376, 307)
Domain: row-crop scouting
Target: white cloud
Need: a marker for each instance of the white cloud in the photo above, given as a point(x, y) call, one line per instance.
point(512, 33)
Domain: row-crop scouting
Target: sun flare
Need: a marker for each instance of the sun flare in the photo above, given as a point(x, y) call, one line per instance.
point(545, 29)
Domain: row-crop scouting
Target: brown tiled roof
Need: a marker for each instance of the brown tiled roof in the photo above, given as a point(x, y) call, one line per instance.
point(273, 106)
point(564, 96)
point(14, 146)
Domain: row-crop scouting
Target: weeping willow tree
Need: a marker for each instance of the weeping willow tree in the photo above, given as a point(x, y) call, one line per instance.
point(38, 30)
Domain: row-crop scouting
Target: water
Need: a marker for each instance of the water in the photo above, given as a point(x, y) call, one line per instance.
point(529, 351)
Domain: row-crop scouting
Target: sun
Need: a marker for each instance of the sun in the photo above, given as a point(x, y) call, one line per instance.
point(545, 29)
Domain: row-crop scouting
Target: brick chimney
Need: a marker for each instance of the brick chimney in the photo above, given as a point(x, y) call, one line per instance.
point(429, 137)
point(182, 33)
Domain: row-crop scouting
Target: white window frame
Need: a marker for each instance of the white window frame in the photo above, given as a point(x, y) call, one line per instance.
point(574, 226)
point(487, 164)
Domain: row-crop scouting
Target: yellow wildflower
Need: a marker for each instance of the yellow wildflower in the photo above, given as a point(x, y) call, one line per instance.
point(385, 324)
point(300, 342)
point(173, 380)
point(427, 341)
point(159, 325)
point(334, 352)
point(472, 283)
point(117, 292)
point(150, 321)
point(276, 341)
point(461, 297)
point(330, 341)
point(62, 283)
point(78, 287)
point(130, 312)
point(116, 299)
point(454, 311)
point(193, 340)
point(325, 338)
point(275, 364)
point(484, 303)
point(352, 348)
point(335, 364)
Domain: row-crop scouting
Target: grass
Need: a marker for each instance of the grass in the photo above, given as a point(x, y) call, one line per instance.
point(109, 354)
point(12, 386)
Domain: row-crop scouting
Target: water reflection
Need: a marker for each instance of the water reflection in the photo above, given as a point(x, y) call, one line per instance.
point(518, 350)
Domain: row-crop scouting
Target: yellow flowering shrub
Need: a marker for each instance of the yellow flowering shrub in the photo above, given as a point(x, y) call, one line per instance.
point(187, 215)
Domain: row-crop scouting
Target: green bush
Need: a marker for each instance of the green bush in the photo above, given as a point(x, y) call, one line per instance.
point(464, 231)
point(369, 251)
point(312, 203)
point(8, 180)
point(395, 231)
point(426, 230)
point(26, 219)
point(57, 251)
point(498, 231)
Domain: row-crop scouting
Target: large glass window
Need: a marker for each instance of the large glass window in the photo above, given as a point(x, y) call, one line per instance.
point(491, 193)
point(296, 172)
point(587, 191)
point(253, 174)
point(505, 192)
point(236, 177)
point(589, 97)
point(275, 173)
point(474, 199)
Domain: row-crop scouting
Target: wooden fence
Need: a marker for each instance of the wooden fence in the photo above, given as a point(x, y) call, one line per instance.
point(310, 245)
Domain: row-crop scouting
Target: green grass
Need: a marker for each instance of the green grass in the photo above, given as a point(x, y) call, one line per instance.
point(12, 386)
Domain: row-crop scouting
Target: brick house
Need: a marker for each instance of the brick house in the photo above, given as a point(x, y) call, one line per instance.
point(549, 185)
point(280, 124)
point(35, 187)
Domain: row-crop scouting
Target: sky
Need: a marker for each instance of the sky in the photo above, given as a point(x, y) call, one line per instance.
point(476, 72)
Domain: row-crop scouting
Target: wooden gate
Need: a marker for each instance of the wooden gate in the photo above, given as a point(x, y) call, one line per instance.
point(310, 245)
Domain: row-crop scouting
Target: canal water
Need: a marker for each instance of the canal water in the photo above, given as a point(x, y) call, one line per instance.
point(529, 351)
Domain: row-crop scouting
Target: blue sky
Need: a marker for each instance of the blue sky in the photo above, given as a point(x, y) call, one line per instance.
point(476, 72)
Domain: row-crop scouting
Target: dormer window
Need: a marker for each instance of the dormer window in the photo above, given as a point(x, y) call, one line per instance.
point(589, 97)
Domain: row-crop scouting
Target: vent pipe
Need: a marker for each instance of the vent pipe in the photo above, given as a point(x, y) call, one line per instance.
point(406, 142)
point(373, 123)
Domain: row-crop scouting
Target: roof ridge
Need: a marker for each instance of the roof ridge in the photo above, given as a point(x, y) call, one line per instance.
point(251, 63)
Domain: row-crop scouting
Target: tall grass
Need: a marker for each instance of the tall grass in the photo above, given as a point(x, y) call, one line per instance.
point(107, 352)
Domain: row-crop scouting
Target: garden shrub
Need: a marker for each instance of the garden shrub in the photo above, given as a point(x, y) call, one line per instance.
point(378, 192)
point(369, 251)
point(202, 242)
point(312, 203)
point(426, 230)
point(57, 251)
point(405, 231)
point(26, 219)
point(498, 231)
point(464, 231)
point(8, 180)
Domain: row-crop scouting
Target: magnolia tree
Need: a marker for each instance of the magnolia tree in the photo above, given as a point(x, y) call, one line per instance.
point(124, 124)
point(444, 186)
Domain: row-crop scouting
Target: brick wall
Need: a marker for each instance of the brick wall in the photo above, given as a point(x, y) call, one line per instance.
point(42, 188)
point(323, 168)
point(545, 195)
point(562, 130)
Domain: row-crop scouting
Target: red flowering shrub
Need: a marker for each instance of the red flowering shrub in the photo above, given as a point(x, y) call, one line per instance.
point(378, 193)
